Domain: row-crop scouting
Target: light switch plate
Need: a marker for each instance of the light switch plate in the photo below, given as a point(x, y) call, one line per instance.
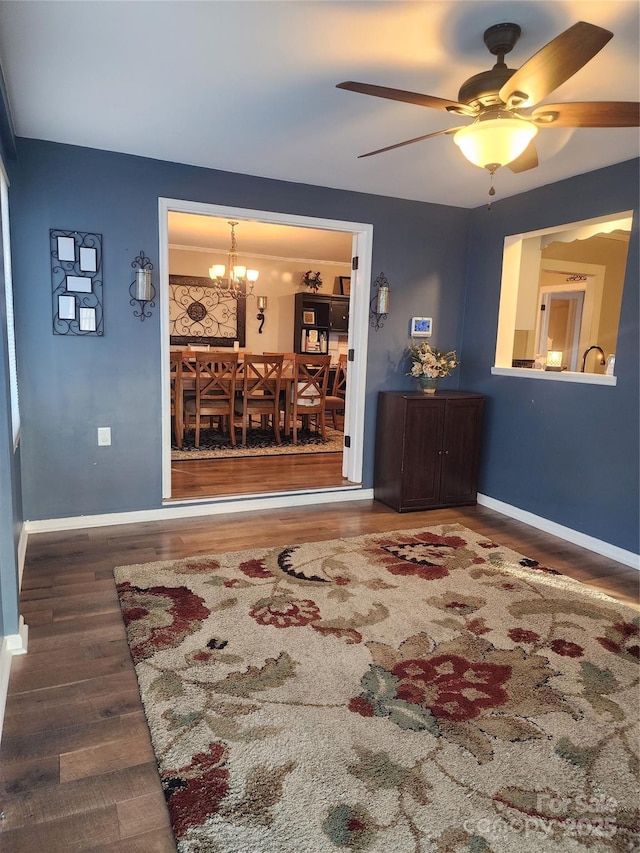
point(104, 436)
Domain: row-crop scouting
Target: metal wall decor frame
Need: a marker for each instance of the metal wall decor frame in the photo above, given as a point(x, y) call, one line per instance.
point(199, 314)
point(76, 282)
point(142, 262)
point(376, 318)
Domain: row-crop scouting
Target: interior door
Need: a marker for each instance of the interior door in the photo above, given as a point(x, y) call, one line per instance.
point(561, 314)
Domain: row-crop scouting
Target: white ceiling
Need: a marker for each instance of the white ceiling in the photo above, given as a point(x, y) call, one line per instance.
point(250, 86)
point(258, 239)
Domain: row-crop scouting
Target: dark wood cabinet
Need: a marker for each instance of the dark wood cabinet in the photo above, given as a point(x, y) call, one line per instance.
point(427, 449)
point(339, 317)
point(316, 316)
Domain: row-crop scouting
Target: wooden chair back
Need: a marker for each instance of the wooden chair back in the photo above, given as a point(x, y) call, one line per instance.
point(215, 388)
point(175, 379)
point(309, 390)
point(288, 361)
point(215, 377)
point(335, 401)
point(261, 383)
point(340, 379)
point(262, 377)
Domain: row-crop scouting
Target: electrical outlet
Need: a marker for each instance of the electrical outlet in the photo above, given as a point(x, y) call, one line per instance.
point(104, 436)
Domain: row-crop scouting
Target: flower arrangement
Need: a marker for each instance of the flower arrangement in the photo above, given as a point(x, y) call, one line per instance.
point(431, 362)
point(312, 279)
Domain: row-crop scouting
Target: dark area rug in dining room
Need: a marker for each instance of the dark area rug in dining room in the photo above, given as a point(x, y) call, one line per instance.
point(257, 441)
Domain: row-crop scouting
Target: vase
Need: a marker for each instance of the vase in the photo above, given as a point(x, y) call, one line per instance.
point(428, 384)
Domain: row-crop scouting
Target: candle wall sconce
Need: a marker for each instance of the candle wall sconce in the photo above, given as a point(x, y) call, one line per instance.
point(141, 289)
point(262, 307)
point(380, 302)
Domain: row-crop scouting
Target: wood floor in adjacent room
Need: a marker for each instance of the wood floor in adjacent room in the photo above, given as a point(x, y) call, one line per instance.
point(254, 475)
point(77, 770)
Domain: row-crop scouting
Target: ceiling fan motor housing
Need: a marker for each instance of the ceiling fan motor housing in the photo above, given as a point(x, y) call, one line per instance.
point(482, 89)
point(502, 38)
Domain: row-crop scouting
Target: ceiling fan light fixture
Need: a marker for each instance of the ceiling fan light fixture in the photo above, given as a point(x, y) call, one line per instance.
point(493, 142)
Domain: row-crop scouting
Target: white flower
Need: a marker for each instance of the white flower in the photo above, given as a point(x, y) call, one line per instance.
point(431, 362)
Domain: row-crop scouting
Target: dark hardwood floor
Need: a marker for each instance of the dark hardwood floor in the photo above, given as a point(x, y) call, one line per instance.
point(255, 475)
point(76, 766)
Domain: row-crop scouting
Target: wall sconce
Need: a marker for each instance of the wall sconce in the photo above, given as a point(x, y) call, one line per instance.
point(380, 303)
point(262, 306)
point(141, 289)
point(554, 360)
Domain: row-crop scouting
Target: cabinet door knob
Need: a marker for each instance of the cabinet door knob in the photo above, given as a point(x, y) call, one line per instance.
point(446, 453)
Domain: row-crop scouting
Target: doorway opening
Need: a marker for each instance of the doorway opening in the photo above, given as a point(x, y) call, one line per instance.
point(560, 323)
point(360, 238)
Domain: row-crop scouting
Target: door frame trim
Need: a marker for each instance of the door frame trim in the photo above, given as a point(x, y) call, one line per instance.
point(358, 318)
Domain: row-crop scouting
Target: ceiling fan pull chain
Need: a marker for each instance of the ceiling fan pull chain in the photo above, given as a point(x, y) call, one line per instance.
point(492, 189)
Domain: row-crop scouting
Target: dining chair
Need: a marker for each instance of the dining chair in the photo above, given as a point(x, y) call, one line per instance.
point(175, 379)
point(288, 367)
point(215, 390)
point(308, 392)
point(288, 360)
point(335, 400)
point(187, 384)
point(261, 380)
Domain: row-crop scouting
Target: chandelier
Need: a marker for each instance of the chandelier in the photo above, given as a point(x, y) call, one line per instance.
point(239, 278)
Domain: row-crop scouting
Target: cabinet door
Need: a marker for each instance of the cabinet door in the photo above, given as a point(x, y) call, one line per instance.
point(422, 456)
point(340, 315)
point(461, 451)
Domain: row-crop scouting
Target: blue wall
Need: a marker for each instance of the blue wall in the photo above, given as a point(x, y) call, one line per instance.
point(70, 386)
point(561, 451)
point(566, 452)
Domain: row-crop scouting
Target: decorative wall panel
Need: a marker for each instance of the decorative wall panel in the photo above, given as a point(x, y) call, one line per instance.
point(198, 314)
point(76, 282)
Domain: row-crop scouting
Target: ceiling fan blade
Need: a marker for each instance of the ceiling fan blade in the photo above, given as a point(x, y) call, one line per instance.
point(407, 97)
point(590, 114)
point(410, 141)
point(527, 160)
point(554, 63)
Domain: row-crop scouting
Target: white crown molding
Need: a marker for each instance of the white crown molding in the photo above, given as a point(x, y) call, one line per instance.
point(304, 261)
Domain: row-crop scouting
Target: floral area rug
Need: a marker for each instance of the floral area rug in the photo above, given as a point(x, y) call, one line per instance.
point(216, 445)
point(413, 691)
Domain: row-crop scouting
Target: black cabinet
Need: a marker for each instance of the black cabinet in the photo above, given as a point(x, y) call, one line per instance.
point(316, 316)
point(339, 316)
point(427, 449)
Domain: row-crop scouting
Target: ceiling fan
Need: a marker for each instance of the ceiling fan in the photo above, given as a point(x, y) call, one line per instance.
point(502, 101)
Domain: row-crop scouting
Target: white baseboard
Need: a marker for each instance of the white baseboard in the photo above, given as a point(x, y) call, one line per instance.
point(12, 644)
point(194, 509)
point(605, 549)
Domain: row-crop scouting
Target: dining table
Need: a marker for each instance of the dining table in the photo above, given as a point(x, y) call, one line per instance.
point(188, 384)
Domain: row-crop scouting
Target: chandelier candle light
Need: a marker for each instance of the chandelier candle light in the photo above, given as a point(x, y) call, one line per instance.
point(429, 364)
point(239, 276)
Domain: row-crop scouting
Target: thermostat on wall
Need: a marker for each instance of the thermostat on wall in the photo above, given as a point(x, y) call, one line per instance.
point(421, 327)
